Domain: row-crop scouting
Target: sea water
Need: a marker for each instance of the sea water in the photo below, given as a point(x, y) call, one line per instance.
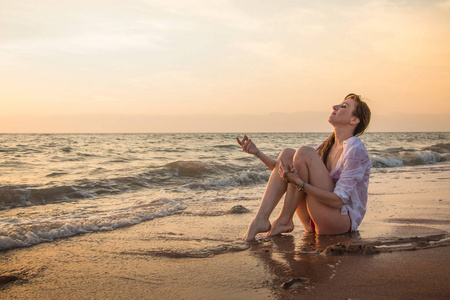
point(59, 185)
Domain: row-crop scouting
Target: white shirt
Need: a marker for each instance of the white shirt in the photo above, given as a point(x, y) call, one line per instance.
point(351, 176)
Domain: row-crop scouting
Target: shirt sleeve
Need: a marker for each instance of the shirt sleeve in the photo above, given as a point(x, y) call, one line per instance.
point(352, 172)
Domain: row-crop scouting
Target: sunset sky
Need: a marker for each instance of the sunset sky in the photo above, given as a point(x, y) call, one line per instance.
point(76, 59)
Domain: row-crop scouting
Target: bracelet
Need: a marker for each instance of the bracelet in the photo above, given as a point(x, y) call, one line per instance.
point(301, 187)
point(258, 153)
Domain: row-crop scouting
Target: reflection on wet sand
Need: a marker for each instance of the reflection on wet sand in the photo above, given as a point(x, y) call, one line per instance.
point(298, 263)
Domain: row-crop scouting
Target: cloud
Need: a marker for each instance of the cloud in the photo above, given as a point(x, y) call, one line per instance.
point(443, 4)
point(166, 54)
point(218, 12)
point(87, 44)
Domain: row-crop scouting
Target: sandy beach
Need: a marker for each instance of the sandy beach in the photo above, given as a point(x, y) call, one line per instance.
point(90, 267)
point(108, 266)
point(400, 252)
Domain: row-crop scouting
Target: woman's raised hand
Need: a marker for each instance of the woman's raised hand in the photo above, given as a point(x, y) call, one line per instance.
point(247, 145)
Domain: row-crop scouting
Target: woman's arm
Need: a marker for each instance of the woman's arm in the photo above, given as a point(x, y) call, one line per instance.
point(249, 147)
point(267, 160)
point(325, 197)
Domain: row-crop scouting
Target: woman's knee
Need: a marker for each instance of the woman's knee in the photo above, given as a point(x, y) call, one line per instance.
point(286, 155)
point(303, 153)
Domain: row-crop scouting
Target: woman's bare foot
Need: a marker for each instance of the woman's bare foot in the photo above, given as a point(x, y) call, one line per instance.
point(257, 226)
point(279, 227)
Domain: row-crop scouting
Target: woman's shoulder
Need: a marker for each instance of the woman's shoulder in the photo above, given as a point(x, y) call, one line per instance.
point(354, 141)
point(355, 146)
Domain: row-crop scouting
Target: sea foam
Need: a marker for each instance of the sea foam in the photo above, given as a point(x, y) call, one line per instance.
point(17, 232)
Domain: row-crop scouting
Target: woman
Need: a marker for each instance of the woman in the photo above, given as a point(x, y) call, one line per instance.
point(326, 185)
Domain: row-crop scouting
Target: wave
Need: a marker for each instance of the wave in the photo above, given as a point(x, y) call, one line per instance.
point(17, 233)
point(171, 174)
point(398, 157)
point(190, 168)
point(67, 149)
point(22, 195)
point(56, 174)
point(12, 196)
point(439, 148)
point(244, 178)
point(6, 150)
point(198, 169)
point(231, 146)
point(190, 174)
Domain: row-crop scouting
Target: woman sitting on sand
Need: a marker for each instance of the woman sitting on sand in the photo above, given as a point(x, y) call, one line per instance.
point(326, 185)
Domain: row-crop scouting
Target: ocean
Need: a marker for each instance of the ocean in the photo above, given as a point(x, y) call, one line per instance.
point(55, 186)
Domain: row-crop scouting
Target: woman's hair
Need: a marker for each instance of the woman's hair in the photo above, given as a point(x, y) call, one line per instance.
point(362, 112)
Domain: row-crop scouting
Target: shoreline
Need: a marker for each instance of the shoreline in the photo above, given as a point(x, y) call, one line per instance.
point(195, 255)
point(81, 267)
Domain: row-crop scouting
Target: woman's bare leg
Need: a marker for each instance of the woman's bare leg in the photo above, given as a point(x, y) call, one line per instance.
point(275, 189)
point(284, 223)
point(295, 200)
point(328, 220)
point(303, 214)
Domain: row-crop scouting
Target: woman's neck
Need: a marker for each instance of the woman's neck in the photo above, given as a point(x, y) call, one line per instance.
point(341, 135)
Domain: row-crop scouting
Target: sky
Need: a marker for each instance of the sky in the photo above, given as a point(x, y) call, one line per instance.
point(204, 64)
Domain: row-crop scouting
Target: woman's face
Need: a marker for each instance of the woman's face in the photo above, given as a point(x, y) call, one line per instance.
point(343, 113)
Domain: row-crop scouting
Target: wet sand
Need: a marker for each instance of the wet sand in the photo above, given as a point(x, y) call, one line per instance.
point(400, 252)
